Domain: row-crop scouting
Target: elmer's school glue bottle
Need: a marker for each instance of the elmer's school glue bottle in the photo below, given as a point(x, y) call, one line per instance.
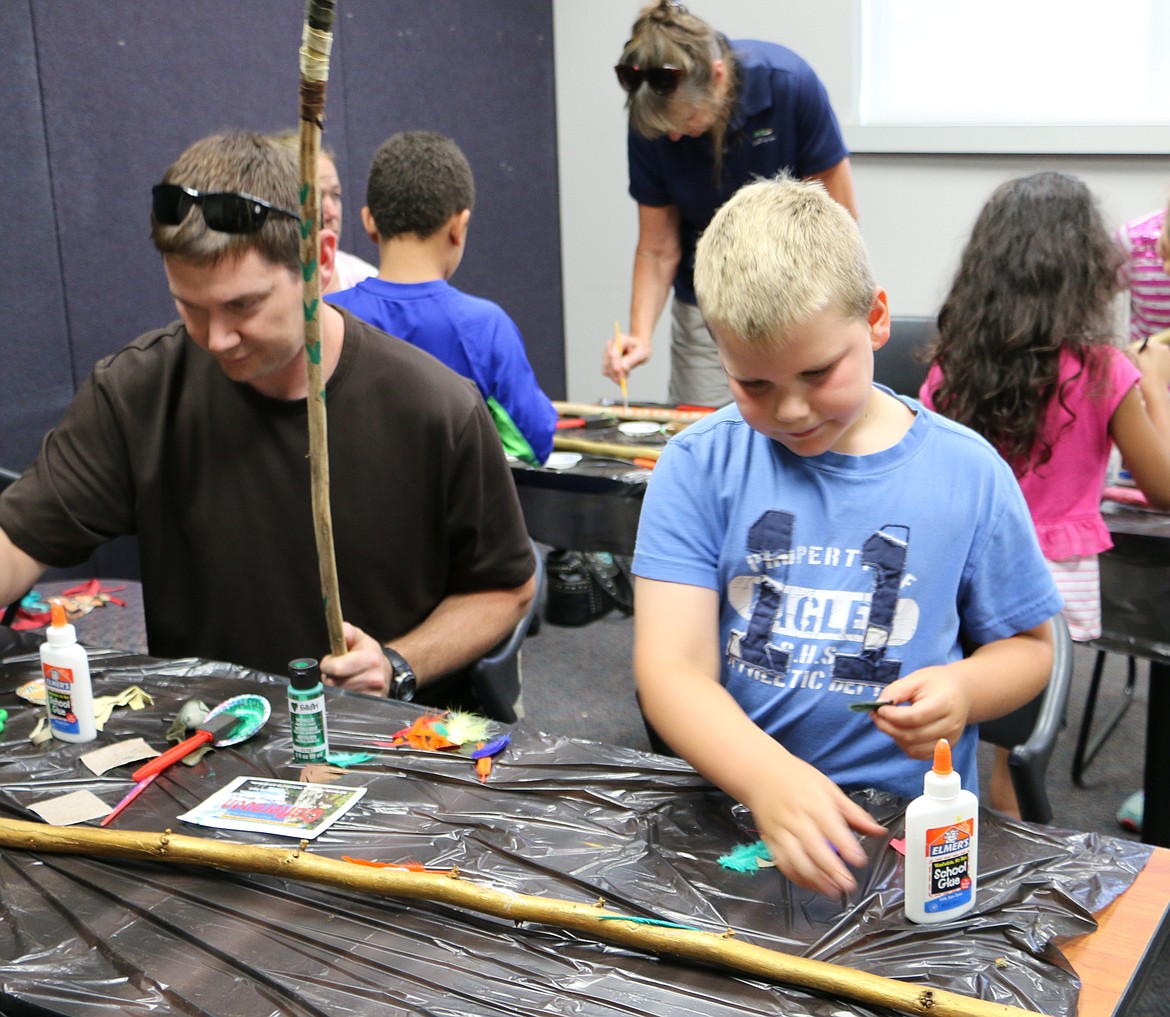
point(68, 692)
point(942, 835)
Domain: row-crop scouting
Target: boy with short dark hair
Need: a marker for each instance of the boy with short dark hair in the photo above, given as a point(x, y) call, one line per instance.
point(824, 543)
point(419, 199)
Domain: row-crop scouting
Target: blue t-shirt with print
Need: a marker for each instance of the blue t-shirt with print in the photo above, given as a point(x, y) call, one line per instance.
point(838, 574)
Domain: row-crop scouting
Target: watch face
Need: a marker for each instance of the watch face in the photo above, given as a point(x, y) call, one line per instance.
point(402, 687)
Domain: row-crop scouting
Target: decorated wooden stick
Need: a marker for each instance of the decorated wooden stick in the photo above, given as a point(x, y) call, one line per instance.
point(595, 920)
point(663, 415)
point(606, 448)
point(316, 42)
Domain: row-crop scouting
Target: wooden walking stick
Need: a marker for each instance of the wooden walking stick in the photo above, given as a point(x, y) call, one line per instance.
point(710, 948)
point(316, 42)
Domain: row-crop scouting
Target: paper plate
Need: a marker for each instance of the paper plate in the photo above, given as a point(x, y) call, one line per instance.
point(562, 460)
point(639, 428)
point(253, 711)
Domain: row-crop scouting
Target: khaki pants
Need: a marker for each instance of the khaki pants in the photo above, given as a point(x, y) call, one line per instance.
point(696, 376)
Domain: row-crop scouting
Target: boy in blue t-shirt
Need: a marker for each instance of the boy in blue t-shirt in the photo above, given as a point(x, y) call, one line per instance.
point(821, 543)
point(419, 197)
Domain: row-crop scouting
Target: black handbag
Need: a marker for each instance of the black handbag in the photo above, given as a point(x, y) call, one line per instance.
point(586, 585)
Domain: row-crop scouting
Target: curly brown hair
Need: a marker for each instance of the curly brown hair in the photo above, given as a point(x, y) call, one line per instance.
point(1037, 276)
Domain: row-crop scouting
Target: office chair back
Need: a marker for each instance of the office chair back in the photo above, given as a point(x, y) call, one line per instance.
point(897, 364)
point(1029, 733)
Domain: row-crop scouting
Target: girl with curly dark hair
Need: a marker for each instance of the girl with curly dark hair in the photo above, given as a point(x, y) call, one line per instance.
point(1026, 357)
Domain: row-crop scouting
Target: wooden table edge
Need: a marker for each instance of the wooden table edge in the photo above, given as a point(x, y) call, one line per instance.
point(1129, 933)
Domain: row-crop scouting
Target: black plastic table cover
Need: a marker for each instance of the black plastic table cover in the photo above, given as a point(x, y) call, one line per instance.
point(562, 818)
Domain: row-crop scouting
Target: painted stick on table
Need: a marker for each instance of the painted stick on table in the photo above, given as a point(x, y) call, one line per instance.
point(606, 448)
point(316, 43)
point(661, 414)
point(714, 949)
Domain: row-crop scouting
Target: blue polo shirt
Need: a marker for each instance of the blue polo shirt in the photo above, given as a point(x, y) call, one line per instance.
point(782, 121)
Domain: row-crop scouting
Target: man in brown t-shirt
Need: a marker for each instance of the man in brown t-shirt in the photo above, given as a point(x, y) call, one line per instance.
point(194, 438)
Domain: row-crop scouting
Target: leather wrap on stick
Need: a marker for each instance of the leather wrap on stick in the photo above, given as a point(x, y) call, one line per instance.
point(316, 43)
point(720, 950)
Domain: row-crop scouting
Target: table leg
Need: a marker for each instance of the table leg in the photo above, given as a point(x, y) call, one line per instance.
point(1156, 816)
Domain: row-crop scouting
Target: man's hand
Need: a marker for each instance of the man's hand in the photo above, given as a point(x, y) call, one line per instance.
point(362, 668)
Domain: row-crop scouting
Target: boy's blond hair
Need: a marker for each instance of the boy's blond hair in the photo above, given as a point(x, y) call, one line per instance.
point(777, 253)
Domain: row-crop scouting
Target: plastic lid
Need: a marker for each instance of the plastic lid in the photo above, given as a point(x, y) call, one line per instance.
point(304, 673)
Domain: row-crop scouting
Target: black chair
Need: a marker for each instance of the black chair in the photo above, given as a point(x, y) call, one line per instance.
point(1126, 594)
point(1030, 732)
point(899, 364)
point(497, 678)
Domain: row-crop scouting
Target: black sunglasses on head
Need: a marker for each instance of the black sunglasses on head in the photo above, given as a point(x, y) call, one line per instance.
point(223, 211)
point(662, 80)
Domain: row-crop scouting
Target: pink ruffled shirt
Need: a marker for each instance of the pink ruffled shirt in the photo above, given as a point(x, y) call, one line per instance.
point(1064, 495)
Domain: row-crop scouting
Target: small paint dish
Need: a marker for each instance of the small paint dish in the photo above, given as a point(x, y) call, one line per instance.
point(639, 428)
point(253, 712)
point(562, 460)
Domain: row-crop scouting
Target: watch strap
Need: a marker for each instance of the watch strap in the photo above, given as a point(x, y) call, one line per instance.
point(402, 677)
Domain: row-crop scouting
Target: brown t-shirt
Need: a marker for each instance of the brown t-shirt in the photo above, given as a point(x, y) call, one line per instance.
point(214, 479)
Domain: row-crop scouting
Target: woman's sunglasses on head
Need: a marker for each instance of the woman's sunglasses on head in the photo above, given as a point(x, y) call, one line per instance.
point(223, 211)
point(661, 80)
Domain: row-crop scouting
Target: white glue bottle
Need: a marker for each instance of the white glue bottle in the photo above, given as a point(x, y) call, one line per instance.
point(942, 837)
point(68, 691)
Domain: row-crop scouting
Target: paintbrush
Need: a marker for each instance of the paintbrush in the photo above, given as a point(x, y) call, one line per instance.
point(133, 793)
point(617, 342)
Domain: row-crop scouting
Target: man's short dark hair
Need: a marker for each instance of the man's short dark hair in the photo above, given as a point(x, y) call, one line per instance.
point(418, 180)
point(244, 163)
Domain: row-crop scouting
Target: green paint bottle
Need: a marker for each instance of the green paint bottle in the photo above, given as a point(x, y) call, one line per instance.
point(306, 712)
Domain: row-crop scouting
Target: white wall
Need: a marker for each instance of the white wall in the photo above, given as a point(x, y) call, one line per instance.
point(916, 210)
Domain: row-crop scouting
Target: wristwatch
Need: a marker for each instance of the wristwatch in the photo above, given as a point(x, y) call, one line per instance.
point(402, 679)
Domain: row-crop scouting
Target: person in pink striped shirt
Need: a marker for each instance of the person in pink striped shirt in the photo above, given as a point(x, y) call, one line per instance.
point(1145, 243)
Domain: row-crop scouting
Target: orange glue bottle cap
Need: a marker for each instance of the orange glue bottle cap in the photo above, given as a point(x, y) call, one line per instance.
point(941, 781)
point(942, 757)
point(59, 632)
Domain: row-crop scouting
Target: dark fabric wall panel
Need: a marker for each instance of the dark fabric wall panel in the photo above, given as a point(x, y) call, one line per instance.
point(36, 376)
point(107, 95)
point(481, 73)
point(128, 84)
